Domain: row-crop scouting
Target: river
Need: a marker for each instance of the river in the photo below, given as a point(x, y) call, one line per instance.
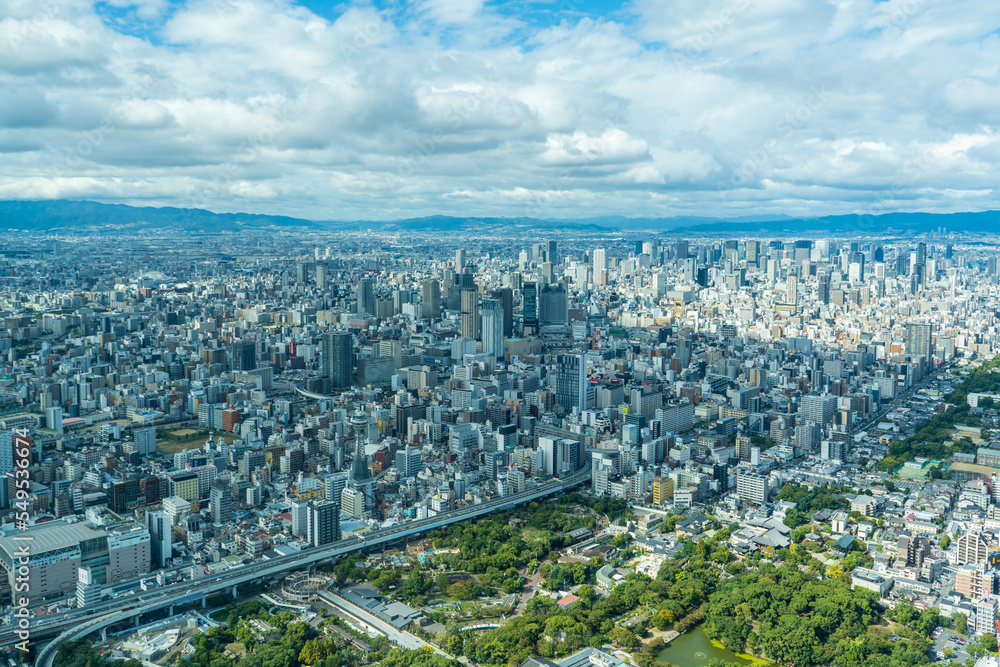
point(693, 649)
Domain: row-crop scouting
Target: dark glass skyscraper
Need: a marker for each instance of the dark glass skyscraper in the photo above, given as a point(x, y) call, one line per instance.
point(338, 359)
point(529, 294)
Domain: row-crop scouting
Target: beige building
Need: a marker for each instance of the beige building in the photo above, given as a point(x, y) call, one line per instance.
point(58, 549)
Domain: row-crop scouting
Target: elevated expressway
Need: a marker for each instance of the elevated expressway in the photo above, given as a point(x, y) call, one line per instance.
point(78, 623)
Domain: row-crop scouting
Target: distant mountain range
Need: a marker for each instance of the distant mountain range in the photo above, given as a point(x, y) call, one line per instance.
point(89, 217)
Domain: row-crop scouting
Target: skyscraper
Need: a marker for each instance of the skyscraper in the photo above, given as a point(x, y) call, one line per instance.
point(529, 295)
point(160, 538)
point(918, 340)
point(431, 299)
point(492, 327)
point(506, 296)
point(571, 381)
point(324, 522)
point(459, 259)
point(470, 313)
point(221, 503)
point(243, 356)
point(338, 362)
point(551, 253)
point(366, 296)
point(553, 305)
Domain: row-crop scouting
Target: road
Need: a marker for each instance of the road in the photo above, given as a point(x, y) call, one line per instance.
point(902, 397)
point(77, 623)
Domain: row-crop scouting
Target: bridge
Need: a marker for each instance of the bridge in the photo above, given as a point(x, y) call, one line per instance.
point(76, 624)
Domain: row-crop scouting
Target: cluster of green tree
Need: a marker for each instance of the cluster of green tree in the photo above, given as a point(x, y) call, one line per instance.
point(80, 653)
point(790, 617)
point(983, 380)
point(808, 501)
point(564, 575)
point(621, 617)
point(932, 438)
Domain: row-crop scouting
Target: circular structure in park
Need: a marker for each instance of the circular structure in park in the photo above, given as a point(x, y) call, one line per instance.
point(302, 586)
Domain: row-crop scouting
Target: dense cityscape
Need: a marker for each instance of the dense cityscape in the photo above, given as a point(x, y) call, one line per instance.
point(433, 448)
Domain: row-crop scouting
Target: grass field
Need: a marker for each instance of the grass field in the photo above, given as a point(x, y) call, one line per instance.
point(172, 447)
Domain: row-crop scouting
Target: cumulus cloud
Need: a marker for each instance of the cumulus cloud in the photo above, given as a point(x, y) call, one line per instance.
point(446, 106)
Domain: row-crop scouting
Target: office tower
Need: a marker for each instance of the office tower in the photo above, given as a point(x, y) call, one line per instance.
point(571, 381)
point(320, 276)
point(408, 462)
point(338, 359)
point(918, 340)
point(243, 356)
point(366, 296)
point(221, 503)
point(160, 539)
point(683, 352)
point(752, 251)
point(600, 261)
point(506, 296)
point(324, 522)
point(817, 409)
point(551, 254)
point(529, 295)
point(492, 327)
point(145, 440)
point(431, 299)
point(823, 288)
point(553, 305)
point(470, 313)
point(459, 259)
point(792, 289)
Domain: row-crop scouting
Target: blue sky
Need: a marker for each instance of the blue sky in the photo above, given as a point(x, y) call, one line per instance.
point(562, 109)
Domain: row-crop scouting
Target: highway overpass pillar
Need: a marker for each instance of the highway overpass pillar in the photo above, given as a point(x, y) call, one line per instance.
point(204, 601)
point(104, 634)
point(234, 591)
point(171, 610)
point(135, 620)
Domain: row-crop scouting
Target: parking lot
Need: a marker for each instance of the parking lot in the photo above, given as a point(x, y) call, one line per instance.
point(949, 640)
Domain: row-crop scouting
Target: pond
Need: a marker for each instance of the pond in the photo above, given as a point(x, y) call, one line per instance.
point(693, 649)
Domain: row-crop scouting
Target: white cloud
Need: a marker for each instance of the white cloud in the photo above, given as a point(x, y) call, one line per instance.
point(727, 106)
